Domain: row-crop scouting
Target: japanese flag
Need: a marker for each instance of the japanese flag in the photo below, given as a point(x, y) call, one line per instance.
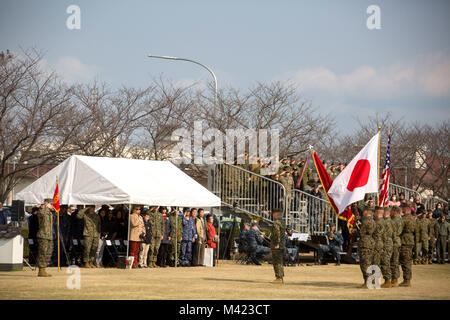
point(358, 178)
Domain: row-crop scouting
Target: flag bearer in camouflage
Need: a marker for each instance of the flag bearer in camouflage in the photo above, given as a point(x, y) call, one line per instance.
point(407, 240)
point(176, 239)
point(378, 236)
point(433, 230)
point(421, 238)
point(388, 241)
point(91, 234)
point(277, 244)
point(397, 229)
point(157, 223)
point(44, 237)
point(366, 243)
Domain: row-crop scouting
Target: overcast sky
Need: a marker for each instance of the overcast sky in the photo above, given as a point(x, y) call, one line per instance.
point(324, 47)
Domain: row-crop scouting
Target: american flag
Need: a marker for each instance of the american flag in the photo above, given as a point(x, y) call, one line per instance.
point(384, 188)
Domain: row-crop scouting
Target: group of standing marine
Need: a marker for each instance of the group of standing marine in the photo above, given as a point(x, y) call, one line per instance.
point(388, 238)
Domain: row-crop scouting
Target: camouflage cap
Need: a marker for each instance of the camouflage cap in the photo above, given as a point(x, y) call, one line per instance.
point(388, 209)
point(368, 208)
point(48, 200)
point(378, 208)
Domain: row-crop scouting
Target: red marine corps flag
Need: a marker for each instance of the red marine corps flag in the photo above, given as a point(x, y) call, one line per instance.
point(358, 178)
point(56, 198)
point(326, 181)
point(56, 207)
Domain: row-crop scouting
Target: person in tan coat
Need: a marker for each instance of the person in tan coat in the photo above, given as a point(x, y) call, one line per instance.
point(201, 240)
point(137, 232)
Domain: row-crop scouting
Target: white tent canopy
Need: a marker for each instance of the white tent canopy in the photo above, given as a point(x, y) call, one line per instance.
point(97, 180)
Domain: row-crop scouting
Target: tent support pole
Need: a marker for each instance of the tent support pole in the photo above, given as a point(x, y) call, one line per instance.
point(176, 237)
point(128, 237)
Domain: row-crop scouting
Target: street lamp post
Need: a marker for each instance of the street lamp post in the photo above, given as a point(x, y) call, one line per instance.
point(193, 61)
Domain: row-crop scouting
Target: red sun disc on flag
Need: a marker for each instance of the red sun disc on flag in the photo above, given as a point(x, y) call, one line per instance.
point(360, 175)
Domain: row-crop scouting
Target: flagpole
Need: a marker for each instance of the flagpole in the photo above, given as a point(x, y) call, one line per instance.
point(57, 223)
point(378, 167)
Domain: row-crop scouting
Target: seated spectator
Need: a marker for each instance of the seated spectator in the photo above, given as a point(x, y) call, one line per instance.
point(146, 240)
point(254, 244)
point(243, 238)
point(137, 233)
point(291, 247)
point(335, 241)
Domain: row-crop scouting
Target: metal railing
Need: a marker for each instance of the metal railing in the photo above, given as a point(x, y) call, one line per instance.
point(258, 195)
point(309, 214)
point(250, 192)
point(396, 189)
point(430, 203)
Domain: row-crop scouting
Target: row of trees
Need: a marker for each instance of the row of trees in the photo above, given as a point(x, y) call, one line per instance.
point(44, 120)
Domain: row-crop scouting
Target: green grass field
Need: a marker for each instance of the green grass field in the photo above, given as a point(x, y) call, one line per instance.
point(227, 281)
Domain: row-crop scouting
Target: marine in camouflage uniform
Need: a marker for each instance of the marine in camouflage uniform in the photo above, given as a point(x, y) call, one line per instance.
point(388, 242)
point(407, 240)
point(366, 243)
point(157, 223)
point(433, 230)
point(44, 237)
point(91, 234)
point(443, 238)
point(378, 236)
point(421, 235)
point(176, 239)
point(277, 245)
point(397, 229)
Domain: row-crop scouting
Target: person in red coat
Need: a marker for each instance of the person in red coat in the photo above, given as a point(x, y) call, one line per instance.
point(211, 236)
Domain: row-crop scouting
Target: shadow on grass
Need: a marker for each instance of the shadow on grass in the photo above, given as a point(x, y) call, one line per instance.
point(324, 284)
point(19, 275)
point(234, 280)
point(320, 284)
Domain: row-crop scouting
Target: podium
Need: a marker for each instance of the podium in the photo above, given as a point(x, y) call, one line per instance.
point(11, 253)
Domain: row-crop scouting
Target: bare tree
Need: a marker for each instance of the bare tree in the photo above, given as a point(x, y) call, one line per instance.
point(109, 118)
point(270, 106)
point(419, 153)
point(173, 106)
point(33, 104)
